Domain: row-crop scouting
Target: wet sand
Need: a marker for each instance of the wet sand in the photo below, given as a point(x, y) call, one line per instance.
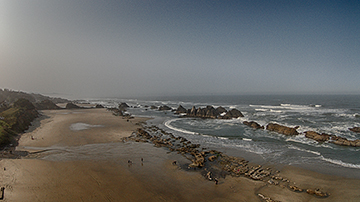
point(91, 164)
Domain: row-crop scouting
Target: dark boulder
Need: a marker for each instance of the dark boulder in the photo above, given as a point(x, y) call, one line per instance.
point(234, 113)
point(220, 110)
point(99, 106)
point(180, 110)
point(281, 129)
point(355, 129)
point(164, 108)
point(123, 106)
point(72, 106)
point(253, 124)
point(153, 107)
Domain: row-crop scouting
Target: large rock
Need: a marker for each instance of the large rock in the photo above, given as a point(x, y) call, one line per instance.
point(192, 111)
point(72, 106)
point(123, 106)
point(355, 129)
point(253, 124)
point(234, 113)
point(316, 136)
point(220, 110)
point(180, 110)
point(164, 108)
point(345, 142)
point(281, 129)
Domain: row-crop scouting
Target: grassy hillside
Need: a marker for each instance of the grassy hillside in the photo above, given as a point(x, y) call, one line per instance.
point(15, 120)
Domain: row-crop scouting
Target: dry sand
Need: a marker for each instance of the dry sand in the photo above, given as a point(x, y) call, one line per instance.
point(108, 177)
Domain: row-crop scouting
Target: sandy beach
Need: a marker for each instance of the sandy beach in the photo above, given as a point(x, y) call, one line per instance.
point(78, 155)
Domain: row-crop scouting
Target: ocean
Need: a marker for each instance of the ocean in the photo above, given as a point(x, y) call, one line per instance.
point(331, 114)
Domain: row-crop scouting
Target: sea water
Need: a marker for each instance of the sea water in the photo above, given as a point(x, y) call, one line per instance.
point(331, 114)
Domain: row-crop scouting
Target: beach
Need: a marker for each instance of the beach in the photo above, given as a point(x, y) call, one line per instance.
point(78, 155)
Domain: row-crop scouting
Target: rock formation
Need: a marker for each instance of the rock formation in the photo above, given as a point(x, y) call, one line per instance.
point(123, 106)
point(281, 129)
point(99, 106)
point(316, 136)
point(71, 105)
point(253, 124)
point(164, 108)
point(214, 164)
point(234, 113)
point(345, 142)
point(355, 129)
point(210, 112)
point(46, 104)
point(180, 110)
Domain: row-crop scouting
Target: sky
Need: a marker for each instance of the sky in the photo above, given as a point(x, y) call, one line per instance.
point(93, 48)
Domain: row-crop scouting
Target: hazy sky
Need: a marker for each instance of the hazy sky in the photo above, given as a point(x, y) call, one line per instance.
point(132, 48)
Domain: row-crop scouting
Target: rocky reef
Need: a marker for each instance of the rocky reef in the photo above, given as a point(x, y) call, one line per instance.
point(214, 164)
point(281, 129)
point(209, 112)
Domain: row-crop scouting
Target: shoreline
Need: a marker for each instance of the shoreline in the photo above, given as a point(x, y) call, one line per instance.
point(109, 177)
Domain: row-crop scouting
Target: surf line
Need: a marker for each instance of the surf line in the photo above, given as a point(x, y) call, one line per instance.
point(167, 124)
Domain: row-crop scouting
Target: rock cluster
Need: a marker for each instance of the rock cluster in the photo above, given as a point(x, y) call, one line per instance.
point(332, 139)
point(213, 162)
point(345, 142)
point(209, 112)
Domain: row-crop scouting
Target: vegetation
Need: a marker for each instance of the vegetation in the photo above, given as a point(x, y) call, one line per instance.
point(16, 119)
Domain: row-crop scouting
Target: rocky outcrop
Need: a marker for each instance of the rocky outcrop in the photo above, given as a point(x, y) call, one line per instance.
point(355, 129)
point(123, 106)
point(234, 113)
point(46, 105)
point(215, 165)
point(164, 108)
point(332, 139)
point(72, 106)
point(345, 142)
point(180, 110)
point(316, 136)
point(253, 124)
point(99, 106)
point(281, 129)
point(210, 112)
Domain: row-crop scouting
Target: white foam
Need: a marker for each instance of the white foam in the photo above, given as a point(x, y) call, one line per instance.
point(341, 163)
point(167, 124)
point(305, 150)
point(247, 139)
